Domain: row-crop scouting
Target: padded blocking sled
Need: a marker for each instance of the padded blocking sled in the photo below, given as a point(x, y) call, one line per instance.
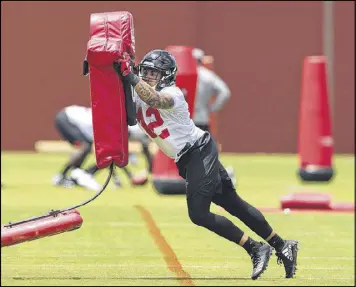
point(165, 176)
point(43, 227)
point(111, 39)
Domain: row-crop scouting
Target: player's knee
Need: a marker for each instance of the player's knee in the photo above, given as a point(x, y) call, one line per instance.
point(86, 147)
point(198, 218)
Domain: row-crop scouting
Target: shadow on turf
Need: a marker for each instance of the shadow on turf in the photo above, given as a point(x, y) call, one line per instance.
point(137, 278)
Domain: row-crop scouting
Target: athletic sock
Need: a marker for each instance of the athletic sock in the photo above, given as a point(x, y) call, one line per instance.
point(249, 244)
point(66, 169)
point(276, 242)
point(93, 169)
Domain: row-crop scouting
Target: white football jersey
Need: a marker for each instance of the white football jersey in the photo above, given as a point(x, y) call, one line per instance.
point(81, 117)
point(171, 128)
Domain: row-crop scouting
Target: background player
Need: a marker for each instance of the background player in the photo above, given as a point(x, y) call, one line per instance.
point(74, 124)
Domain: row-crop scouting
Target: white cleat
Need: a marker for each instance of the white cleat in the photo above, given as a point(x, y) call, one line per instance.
point(60, 180)
point(84, 179)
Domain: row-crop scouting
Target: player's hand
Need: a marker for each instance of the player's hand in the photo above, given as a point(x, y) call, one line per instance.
point(123, 67)
point(135, 69)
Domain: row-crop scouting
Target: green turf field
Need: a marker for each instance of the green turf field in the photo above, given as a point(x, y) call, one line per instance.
point(117, 245)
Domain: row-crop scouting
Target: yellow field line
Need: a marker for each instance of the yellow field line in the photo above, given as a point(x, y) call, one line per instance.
point(168, 254)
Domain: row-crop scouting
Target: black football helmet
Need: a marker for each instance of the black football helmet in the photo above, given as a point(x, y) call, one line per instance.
point(162, 61)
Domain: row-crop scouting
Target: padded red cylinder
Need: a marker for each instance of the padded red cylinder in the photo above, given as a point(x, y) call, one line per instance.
point(51, 225)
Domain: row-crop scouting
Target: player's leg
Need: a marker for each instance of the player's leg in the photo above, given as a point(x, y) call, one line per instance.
point(132, 137)
point(75, 137)
point(63, 126)
point(78, 174)
point(116, 179)
point(136, 134)
point(92, 169)
point(239, 208)
point(256, 221)
point(78, 157)
point(146, 152)
point(200, 168)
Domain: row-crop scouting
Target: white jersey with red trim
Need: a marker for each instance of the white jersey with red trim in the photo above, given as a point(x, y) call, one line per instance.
point(171, 129)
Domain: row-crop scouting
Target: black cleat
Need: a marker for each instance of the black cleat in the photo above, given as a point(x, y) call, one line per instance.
point(288, 255)
point(260, 257)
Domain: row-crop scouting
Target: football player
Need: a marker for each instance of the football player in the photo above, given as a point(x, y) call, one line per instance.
point(162, 112)
point(74, 124)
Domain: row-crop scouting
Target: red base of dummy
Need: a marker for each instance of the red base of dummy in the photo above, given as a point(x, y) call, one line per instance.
point(316, 175)
point(165, 176)
point(306, 200)
point(314, 201)
point(139, 179)
point(51, 225)
point(342, 206)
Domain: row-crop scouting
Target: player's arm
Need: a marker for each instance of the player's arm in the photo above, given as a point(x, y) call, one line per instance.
point(222, 93)
point(149, 95)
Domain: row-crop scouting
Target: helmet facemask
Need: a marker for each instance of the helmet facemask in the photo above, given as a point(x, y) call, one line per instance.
point(162, 65)
point(150, 75)
point(168, 79)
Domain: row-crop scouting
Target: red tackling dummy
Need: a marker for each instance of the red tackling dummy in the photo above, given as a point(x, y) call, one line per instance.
point(315, 142)
point(111, 39)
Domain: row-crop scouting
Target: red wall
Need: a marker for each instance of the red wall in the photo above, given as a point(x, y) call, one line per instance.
point(258, 49)
point(344, 120)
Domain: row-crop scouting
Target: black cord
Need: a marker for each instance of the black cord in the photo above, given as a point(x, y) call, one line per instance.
point(96, 195)
point(56, 212)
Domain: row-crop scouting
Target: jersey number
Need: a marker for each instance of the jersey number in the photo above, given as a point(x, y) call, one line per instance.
point(151, 126)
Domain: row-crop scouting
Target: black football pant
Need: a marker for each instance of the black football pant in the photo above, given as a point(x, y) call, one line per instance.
point(207, 181)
